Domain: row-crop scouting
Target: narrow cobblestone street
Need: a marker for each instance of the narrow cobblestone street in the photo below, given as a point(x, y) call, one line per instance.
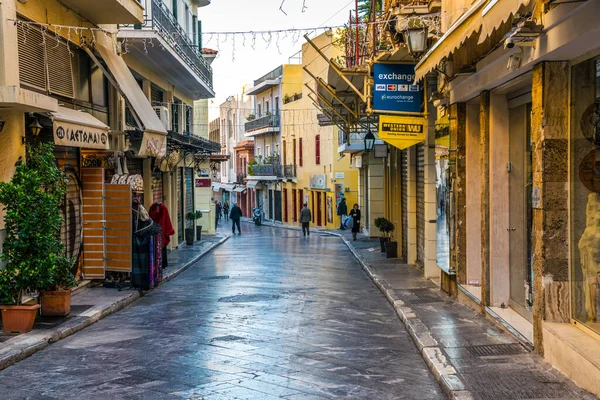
point(269, 314)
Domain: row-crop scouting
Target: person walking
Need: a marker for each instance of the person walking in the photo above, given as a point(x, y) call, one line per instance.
point(342, 211)
point(226, 210)
point(217, 214)
point(235, 215)
point(305, 217)
point(355, 215)
point(219, 210)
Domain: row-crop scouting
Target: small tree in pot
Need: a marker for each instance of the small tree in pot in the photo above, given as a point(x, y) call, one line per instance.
point(189, 231)
point(198, 216)
point(33, 252)
point(391, 247)
point(379, 222)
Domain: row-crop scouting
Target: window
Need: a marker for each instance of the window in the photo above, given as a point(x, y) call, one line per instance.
point(267, 150)
point(276, 105)
point(300, 153)
point(267, 107)
point(258, 151)
point(45, 63)
point(258, 112)
point(284, 159)
point(318, 149)
point(294, 150)
point(188, 119)
point(175, 114)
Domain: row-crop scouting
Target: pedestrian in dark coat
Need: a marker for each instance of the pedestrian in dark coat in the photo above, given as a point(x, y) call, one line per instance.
point(219, 210)
point(355, 215)
point(235, 215)
point(305, 218)
point(226, 210)
point(342, 211)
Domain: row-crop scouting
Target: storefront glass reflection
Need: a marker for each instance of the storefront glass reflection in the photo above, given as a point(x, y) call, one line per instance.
point(445, 205)
point(585, 192)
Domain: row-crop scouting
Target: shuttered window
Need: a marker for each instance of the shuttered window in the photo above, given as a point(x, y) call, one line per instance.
point(32, 58)
point(300, 152)
point(45, 64)
point(60, 68)
point(318, 149)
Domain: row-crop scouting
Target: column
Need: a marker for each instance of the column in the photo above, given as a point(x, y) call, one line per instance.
point(458, 134)
point(376, 192)
point(549, 131)
point(484, 170)
point(473, 198)
point(431, 269)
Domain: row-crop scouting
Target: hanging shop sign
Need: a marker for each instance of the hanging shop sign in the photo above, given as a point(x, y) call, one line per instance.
point(74, 135)
point(394, 90)
point(318, 181)
point(153, 145)
point(402, 131)
point(203, 183)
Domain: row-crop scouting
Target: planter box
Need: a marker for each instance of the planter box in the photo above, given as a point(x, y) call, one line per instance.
point(382, 242)
point(391, 249)
point(189, 236)
point(18, 319)
point(198, 233)
point(57, 303)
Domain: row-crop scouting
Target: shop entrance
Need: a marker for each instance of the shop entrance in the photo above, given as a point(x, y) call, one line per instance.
point(319, 210)
point(520, 206)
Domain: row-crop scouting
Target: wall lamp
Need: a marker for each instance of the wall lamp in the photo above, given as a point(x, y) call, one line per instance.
point(369, 141)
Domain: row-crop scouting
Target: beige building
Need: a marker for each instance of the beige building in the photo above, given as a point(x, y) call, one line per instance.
point(115, 100)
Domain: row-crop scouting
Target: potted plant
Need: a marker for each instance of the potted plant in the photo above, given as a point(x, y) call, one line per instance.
point(189, 231)
point(33, 251)
point(198, 215)
point(250, 117)
point(56, 295)
point(383, 238)
point(391, 247)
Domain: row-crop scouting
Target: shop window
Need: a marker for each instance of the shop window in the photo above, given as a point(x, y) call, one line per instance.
point(585, 193)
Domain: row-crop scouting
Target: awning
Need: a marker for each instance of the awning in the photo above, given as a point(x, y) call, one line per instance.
point(239, 189)
point(216, 186)
point(129, 87)
point(482, 18)
point(228, 187)
point(254, 185)
point(79, 129)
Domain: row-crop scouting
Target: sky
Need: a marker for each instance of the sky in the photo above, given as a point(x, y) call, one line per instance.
point(233, 69)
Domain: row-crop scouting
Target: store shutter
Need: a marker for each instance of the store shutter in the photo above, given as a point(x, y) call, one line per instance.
point(94, 251)
point(118, 201)
point(32, 57)
point(404, 187)
point(60, 67)
point(189, 190)
point(420, 205)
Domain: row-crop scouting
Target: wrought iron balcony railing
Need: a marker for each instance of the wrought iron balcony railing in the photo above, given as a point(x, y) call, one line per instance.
point(269, 121)
point(278, 170)
point(162, 20)
point(289, 171)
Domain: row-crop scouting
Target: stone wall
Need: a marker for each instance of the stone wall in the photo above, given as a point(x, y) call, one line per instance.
point(549, 125)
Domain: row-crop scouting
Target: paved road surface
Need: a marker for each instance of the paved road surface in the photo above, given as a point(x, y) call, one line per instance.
point(267, 315)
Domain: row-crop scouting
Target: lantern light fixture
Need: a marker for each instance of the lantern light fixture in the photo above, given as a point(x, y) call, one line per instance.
point(35, 127)
point(416, 40)
point(369, 141)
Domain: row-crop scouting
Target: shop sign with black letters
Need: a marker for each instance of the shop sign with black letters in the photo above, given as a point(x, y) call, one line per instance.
point(74, 135)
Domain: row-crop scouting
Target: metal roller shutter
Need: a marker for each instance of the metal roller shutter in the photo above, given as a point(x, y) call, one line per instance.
point(189, 190)
point(404, 167)
point(420, 205)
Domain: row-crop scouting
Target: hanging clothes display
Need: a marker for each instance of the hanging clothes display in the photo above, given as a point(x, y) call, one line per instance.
point(160, 215)
point(145, 273)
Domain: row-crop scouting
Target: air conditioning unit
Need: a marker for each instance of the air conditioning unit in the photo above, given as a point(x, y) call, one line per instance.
point(164, 116)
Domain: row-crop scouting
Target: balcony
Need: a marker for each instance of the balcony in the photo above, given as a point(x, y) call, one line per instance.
point(277, 170)
point(163, 45)
point(108, 11)
point(266, 124)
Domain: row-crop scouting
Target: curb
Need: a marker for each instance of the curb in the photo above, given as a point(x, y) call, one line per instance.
point(436, 361)
point(30, 343)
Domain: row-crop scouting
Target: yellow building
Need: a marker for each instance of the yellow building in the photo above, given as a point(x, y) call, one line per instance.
point(311, 145)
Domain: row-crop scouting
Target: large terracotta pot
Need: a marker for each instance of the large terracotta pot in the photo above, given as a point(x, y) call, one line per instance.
point(56, 303)
point(18, 319)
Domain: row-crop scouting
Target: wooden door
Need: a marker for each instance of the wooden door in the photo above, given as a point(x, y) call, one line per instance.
point(118, 227)
point(94, 250)
point(319, 210)
point(294, 205)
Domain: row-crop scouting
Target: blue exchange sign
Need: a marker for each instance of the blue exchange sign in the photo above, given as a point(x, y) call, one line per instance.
point(394, 89)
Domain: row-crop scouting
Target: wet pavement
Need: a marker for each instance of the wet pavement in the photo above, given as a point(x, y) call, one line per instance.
point(268, 314)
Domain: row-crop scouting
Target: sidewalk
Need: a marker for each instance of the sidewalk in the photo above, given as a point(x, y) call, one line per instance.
point(470, 357)
point(91, 305)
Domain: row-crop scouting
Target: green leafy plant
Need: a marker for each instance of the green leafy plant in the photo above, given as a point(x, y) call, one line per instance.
point(385, 226)
point(33, 251)
point(250, 168)
point(190, 216)
point(198, 214)
point(250, 117)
